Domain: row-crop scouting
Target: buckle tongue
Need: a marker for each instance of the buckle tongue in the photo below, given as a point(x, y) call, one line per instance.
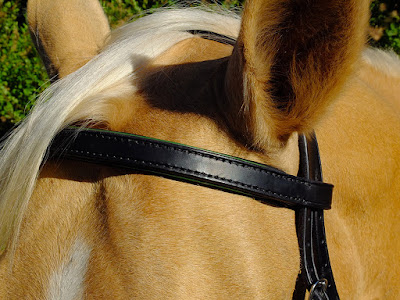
point(321, 285)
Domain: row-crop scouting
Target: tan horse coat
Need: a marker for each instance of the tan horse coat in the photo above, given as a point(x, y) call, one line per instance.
point(92, 232)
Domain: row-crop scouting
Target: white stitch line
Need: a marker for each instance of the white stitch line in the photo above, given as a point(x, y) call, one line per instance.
point(297, 199)
point(128, 140)
point(226, 160)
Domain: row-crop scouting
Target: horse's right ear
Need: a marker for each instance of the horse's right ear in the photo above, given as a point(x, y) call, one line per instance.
point(290, 62)
point(67, 33)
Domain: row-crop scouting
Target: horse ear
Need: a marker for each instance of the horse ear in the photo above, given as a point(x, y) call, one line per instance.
point(67, 33)
point(291, 60)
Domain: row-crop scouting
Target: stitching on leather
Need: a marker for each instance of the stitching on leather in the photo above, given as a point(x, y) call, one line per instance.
point(188, 151)
point(298, 198)
point(127, 139)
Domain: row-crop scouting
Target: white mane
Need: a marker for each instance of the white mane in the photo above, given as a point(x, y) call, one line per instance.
point(383, 60)
point(83, 95)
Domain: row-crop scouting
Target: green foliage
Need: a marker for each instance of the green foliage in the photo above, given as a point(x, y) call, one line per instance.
point(22, 76)
point(385, 22)
point(120, 11)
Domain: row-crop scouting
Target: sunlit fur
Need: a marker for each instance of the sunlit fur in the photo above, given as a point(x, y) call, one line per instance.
point(74, 230)
point(294, 57)
point(85, 95)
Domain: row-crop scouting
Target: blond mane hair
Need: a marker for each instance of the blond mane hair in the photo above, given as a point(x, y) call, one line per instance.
point(82, 96)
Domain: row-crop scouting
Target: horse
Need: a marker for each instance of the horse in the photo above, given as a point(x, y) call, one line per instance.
point(246, 86)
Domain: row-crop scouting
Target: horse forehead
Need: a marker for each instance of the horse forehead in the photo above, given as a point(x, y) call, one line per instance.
point(193, 50)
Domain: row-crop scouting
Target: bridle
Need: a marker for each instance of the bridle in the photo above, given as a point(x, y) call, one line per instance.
point(304, 193)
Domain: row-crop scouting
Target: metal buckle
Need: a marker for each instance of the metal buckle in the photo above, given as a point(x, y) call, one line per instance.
point(320, 284)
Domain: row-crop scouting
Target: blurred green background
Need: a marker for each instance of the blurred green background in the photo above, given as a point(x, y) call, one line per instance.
point(22, 76)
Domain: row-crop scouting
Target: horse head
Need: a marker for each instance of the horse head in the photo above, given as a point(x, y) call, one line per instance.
point(204, 77)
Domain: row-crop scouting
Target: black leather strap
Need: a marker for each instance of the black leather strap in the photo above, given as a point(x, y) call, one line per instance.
point(305, 193)
point(212, 36)
point(316, 272)
point(186, 163)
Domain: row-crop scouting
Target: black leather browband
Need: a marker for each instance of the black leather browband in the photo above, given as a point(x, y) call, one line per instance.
point(191, 164)
point(212, 36)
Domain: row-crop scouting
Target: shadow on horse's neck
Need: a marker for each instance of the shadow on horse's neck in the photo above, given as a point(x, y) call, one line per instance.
point(184, 88)
point(191, 88)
